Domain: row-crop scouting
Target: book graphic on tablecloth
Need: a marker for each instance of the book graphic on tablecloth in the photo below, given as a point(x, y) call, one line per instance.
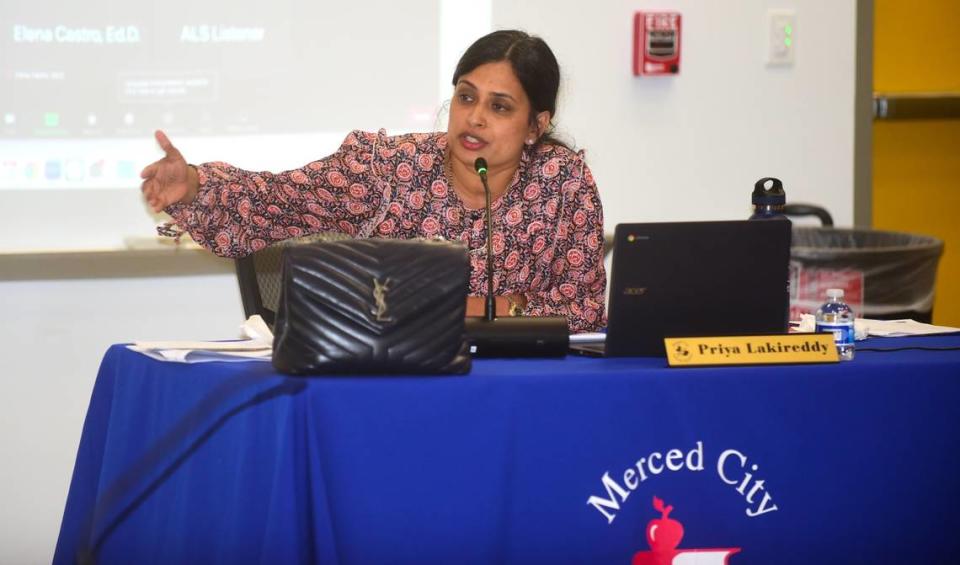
point(663, 537)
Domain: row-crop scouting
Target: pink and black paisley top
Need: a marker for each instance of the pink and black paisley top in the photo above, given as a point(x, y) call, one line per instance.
point(548, 226)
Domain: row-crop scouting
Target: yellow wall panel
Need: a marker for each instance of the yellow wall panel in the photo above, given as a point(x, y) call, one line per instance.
point(916, 163)
point(916, 46)
point(916, 189)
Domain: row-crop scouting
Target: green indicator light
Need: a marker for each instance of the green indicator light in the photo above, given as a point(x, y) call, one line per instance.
point(788, 29)
point(788, 42)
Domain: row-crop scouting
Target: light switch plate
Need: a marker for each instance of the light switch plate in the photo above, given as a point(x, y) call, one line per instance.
point(781, 37)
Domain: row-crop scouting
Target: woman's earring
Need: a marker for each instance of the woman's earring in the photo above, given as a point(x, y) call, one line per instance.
point(530, 141)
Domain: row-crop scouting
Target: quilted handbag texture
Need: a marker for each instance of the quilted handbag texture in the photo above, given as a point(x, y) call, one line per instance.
point(373, 306)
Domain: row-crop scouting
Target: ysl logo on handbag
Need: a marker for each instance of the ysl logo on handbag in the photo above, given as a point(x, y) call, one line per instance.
point(380, 295)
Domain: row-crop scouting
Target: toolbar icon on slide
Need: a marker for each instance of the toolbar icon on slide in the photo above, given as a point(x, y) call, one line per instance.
point(74, 169)
point(125, 169)
point(96, 169)
point(51, 170)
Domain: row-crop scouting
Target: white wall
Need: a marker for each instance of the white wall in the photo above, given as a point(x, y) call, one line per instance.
point(690, 147)
point(53, 335)
point(668, 148)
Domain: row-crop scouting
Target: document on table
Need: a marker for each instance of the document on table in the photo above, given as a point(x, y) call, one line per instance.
point(898, 328)
point(257, 346)
point(865, 327)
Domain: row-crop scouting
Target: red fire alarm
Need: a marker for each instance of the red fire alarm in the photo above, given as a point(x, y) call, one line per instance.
point(656, 43)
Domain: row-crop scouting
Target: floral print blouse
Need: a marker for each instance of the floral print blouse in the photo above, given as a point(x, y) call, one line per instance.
point(548, 225)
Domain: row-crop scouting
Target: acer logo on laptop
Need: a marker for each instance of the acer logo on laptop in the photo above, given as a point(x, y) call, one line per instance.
point(635, 290)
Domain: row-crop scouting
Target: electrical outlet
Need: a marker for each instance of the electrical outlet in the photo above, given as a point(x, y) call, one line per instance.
point(781, 40)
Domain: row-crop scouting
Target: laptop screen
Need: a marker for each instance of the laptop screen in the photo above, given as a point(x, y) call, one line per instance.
point(685, 279)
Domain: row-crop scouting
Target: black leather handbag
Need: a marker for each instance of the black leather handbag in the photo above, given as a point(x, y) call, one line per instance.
point(373, 306)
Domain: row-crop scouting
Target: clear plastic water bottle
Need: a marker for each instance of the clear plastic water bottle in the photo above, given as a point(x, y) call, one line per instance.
point(836, 317)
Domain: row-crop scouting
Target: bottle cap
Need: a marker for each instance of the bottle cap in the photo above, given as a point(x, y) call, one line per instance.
point(834, 293)
point(773, 196)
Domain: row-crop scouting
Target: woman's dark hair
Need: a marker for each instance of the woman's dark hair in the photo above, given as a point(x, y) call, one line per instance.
point(533, 62)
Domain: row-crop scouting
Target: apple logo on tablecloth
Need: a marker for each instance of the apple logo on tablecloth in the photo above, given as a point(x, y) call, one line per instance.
point(663, 537)
point(663, 533)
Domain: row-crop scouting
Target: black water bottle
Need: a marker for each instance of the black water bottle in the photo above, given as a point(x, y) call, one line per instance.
point(768, 201)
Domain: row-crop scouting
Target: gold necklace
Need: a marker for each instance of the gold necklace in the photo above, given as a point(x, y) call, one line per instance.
point(448, 173)
point(448, 168)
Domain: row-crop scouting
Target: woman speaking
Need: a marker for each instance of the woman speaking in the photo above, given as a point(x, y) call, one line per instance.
point(547, 217)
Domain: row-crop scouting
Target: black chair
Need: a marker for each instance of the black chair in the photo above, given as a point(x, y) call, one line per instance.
point(826, 220)
point(258, 275)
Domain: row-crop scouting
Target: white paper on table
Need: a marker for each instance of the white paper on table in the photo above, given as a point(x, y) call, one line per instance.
point(256, 328)
point(897, 328)
point(864, 327)
point(258, 347)
point(200, 356)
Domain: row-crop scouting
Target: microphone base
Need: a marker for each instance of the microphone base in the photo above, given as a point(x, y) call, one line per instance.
point(520, 336)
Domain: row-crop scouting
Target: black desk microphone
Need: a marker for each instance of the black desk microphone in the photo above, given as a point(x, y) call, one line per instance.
point(515, 336)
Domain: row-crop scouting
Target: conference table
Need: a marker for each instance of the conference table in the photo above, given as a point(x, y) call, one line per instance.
point(571, 460)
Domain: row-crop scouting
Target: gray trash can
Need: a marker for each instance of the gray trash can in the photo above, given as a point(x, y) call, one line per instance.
point(885, 275)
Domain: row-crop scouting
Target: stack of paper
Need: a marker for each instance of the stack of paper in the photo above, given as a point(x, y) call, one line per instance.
point(864, 327)
point(257, 346)
point(897, 328)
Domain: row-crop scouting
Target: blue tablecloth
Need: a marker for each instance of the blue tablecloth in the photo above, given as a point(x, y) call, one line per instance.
point(522, 461)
